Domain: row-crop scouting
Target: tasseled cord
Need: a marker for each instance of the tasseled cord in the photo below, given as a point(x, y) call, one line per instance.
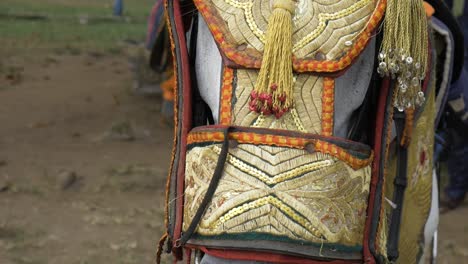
point(160, 248)
point(404, 52)
point(273, 90)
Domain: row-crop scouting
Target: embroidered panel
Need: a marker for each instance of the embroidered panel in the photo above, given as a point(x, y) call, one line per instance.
point(327, 34)
point(285, 178)
point(278, 191)
point(305, 117)
point(418, 196)
point(356, 159)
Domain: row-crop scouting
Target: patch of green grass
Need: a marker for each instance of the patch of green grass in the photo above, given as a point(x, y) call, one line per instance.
point(133, 8)
point(49, 35)
point(76, 25)
point(50, 9)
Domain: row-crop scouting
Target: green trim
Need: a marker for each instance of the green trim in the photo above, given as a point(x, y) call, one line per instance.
point(264, 236)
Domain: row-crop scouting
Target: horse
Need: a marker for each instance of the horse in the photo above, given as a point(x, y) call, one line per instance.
point(217, 121)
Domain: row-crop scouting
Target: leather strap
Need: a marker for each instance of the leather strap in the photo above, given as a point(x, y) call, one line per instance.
point(400, 184)
point(218, 172)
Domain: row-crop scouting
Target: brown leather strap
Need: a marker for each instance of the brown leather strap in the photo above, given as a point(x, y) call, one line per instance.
point(210, 191)
point(400, 183)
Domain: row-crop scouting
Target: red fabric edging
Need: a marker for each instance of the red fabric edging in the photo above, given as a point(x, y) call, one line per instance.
point(380, 119)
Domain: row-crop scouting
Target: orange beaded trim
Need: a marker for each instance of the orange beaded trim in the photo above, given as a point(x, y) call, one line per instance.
point(226, 97)
point(219, 31)
point(328, 99)
point(304, 65)
point(408, 130)
point(251, 58)
point(282, 141)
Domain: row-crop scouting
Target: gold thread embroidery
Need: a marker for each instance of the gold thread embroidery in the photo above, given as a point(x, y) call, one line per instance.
point(306, 113)
point(324, 18)
point(273, 201)
point(418, 194)
point(331, 201)
point(293, 173)
point(297, 121)
point(259, 121)
point(285, 141)
point(247, 7)
point(231, 32)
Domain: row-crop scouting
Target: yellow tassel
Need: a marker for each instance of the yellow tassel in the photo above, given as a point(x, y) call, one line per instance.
point(404, 52)
point(274, 87)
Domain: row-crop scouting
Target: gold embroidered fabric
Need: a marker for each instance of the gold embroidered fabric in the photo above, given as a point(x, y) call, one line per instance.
point(278, 191)
point(328, 26)
point(302, 195)
point(418, 194)
point(304, 117)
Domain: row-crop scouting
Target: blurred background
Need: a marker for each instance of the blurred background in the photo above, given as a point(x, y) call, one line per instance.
point(85, 141)
point(84, 151)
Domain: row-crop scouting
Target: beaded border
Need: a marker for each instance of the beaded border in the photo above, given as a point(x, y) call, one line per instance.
point(274, 179)
point(304, 65)
point(283, 141)
point(271, 200)
point(328, 102)
point(251, 58)
point(226, 96)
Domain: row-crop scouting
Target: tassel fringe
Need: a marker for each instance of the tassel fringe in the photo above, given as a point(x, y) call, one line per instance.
point(160, 248)
point(404, 52)
point(274, 87)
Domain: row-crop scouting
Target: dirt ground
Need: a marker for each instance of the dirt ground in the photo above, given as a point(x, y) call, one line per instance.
point(83, 163)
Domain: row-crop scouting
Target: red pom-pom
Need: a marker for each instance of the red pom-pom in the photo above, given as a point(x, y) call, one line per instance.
point(282, 98)
point(253, 95)
point(253, 105)
point(281, 112)
point(264, 97)
point(278, 115)
point(266, 110)
point(274, 87)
